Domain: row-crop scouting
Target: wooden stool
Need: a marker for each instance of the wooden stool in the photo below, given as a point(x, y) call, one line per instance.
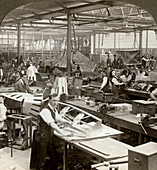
point(27, 125)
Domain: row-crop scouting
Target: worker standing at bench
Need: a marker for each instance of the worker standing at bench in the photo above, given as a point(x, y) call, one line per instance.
point(3, 111)
point(105, 83)
point(47, 125)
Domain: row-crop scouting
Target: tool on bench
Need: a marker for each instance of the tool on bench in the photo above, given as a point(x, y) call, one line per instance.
point(109, 164)
point(148, 120)
point(143, 127)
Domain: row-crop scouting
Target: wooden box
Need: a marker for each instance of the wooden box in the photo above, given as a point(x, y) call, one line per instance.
point(108, 97)
point(142, 106)
point(143, 157)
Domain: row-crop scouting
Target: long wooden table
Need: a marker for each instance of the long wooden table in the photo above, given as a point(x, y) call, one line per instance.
point(134, 94)
point(97, 141)
point(126, 119)
point(104, 149)
point(31, 105)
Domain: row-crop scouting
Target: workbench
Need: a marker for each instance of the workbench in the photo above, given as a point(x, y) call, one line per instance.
point(103, 148)
point(134, 94)
point(31, 105)
point(125, 120)
point(107, 149)
point(97, 139)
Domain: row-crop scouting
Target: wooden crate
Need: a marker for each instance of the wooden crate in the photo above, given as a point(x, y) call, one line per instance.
point(142, 106)
point(143, 157)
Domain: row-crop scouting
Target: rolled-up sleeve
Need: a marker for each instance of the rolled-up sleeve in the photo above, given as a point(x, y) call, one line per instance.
point(46, 116)
point(3, 111)
point(155, 92)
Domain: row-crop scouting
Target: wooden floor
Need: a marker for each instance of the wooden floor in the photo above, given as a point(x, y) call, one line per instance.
point(19, 161)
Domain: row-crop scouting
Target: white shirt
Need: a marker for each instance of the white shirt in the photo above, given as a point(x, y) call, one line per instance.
point(47, 117)
point(155, 92)
point(123, 78)
point(31, 72)
point(116, 82)
point(3, 111)
point(104, 82)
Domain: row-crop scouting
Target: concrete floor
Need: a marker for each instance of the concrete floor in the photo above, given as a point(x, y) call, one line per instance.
point(19, 161)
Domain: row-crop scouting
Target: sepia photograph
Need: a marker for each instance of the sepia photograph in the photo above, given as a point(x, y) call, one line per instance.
point(78, 85)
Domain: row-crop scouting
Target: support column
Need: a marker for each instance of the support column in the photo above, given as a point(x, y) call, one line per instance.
point(94, 34)
point(99, 43)
point(23, 45)
point(115, 40)
point(33, 43)
point(69, 44)
point(140, 44)
point(147, 41)
point(50, 46)
point(42, 56)
point(8, 46)
point(19, 42)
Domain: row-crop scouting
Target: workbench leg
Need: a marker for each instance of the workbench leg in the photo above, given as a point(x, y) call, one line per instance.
point(64, 156)
point(30, 133)
point(140, 138)
point(119, 137)
point(13, 130)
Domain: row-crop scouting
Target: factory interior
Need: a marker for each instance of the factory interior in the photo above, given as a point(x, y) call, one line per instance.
point(78, 85)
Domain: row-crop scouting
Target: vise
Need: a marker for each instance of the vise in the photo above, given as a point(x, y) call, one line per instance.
point(148, 120)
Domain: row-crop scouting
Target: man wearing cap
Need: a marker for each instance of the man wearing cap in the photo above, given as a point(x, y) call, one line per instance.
point(48, 119)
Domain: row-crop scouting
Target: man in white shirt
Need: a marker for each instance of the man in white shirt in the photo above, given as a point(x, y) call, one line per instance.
point(47, 125)
point(116, 84)
point(105, 85)
point(31, 72)
point(1, 74)
point(153, 94)
point(3, 111)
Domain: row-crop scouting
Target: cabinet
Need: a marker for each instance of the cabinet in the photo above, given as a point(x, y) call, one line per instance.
point(143, 157)
point(142, 106)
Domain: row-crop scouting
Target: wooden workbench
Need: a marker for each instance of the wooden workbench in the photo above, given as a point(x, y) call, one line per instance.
point(104, 149)
point(97, 139)
point(136, 94)
point(31, 105)
point(126, 120)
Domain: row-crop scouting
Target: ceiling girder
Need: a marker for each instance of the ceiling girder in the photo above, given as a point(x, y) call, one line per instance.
point(82, 17)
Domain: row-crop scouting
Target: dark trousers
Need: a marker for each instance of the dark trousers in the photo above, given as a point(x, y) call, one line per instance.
point(46, 148)
point(41, 148)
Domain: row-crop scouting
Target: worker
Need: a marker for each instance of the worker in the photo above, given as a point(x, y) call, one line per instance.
point(22, 85)
point(109, 63)
point(1, 73)
point(3, 111)
point(153, 95)
point(114, 63)
point(116, 83)
point(105, 85)
point(78, 72)
point(14, 77)
point(31, 72)
point(120, 62)
point(46, 127)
